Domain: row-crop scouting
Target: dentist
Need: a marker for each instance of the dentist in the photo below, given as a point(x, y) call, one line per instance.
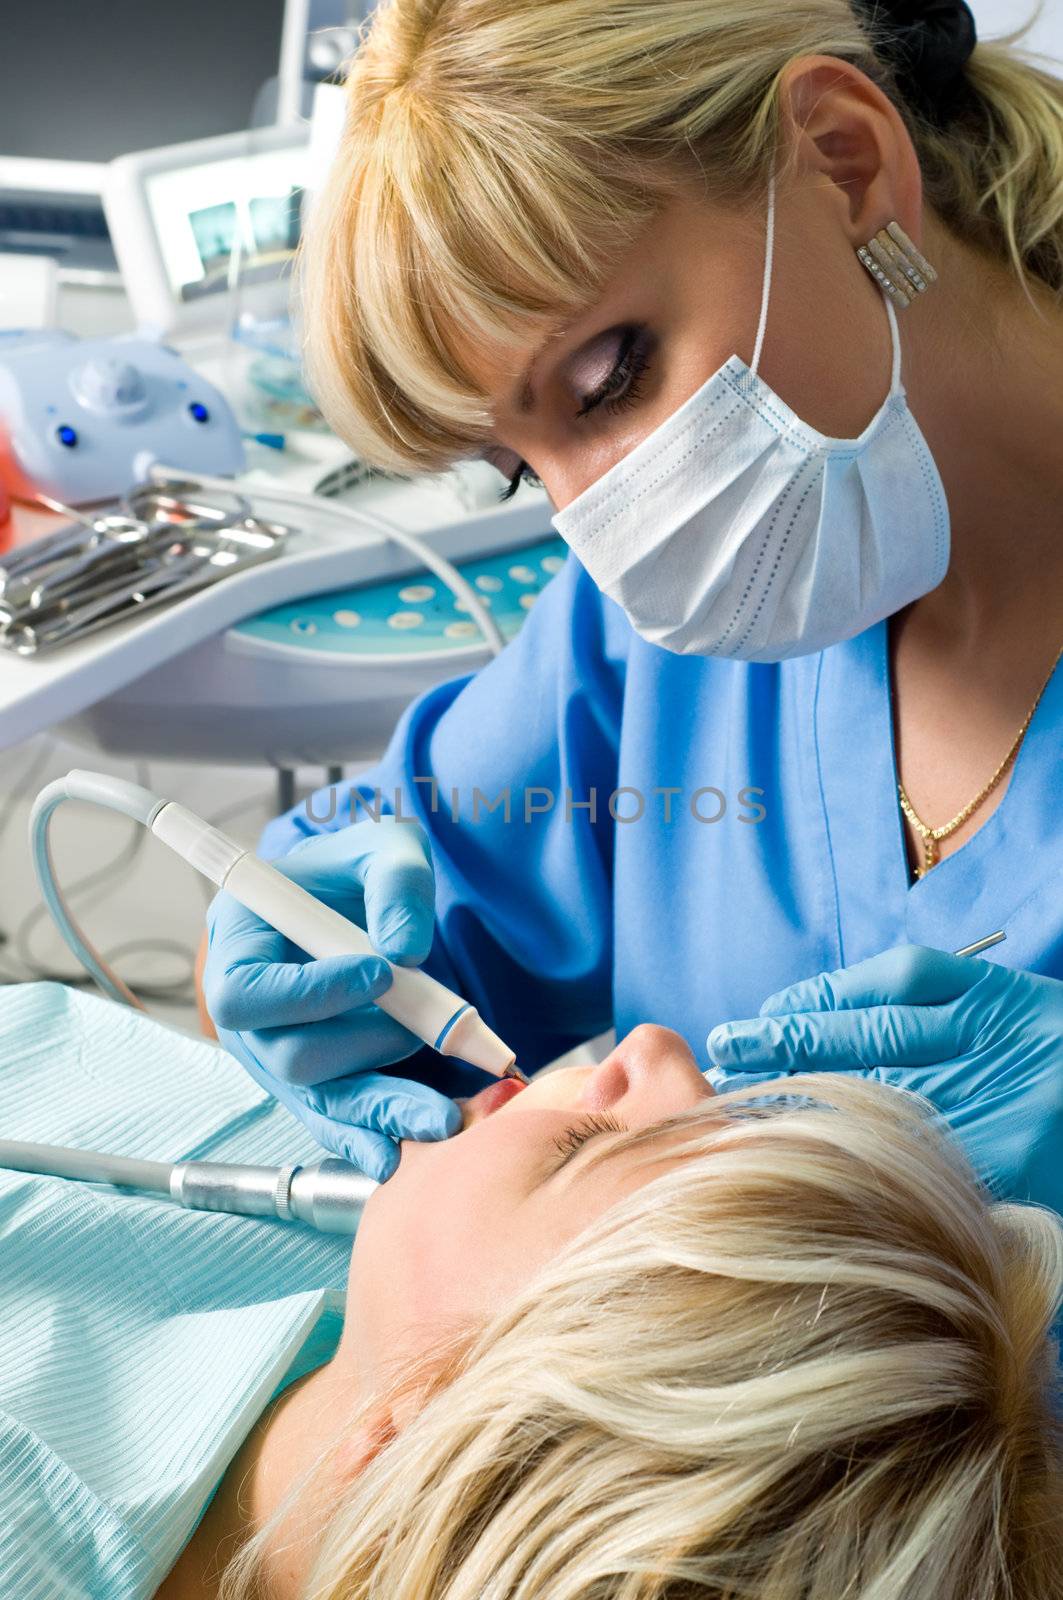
point(770, 299)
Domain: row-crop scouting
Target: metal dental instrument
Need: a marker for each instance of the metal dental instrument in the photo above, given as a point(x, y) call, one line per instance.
point(329, 1196)
point(182, 502)
point(121, 595)
point(134, 541)
point(162, 544)
point(87, 535)
point(981, 944)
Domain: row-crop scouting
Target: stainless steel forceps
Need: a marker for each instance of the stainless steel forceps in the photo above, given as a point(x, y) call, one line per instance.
point(158, 544)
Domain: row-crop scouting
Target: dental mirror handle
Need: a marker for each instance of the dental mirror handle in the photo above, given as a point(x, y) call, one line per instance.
point(981, 944)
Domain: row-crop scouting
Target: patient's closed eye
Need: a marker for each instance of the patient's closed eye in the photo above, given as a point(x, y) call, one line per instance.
point(571, 1142)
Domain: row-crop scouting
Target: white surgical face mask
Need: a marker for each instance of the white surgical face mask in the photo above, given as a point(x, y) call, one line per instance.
point(735, 529)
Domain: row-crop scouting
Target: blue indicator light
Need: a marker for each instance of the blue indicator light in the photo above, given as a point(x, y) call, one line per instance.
point(198, 411)
point(66, 435)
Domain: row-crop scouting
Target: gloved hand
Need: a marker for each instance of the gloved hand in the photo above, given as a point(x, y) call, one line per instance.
point(984, 1044)
point(307, 1030)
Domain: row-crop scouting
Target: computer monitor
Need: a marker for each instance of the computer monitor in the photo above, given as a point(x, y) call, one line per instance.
point(206, 229)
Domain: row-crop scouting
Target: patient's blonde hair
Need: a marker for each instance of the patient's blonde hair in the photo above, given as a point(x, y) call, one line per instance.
point(500, 155)
point(809, 1362)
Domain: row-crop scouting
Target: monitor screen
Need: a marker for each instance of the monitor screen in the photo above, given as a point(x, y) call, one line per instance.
point(238, 216)
point(85, 83)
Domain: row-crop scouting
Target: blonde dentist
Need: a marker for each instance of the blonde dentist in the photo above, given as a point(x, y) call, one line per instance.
point(769, 298)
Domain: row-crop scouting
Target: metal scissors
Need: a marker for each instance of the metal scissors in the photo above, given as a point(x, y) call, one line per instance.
point(158, 543)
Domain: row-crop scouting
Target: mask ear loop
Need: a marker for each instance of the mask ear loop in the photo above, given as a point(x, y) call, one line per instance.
point(895, 336)
point(765, 296)
point(765, 293)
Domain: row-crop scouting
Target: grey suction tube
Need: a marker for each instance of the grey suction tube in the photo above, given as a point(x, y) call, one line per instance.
point(329, 1195)
point(85, 1166)
point(115, 793)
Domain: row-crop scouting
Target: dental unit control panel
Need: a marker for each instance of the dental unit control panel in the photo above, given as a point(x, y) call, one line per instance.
point(82, 420)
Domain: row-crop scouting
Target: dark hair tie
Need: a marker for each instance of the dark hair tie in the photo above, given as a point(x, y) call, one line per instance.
point(927, 44)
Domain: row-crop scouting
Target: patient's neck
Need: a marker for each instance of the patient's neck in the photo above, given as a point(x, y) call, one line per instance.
point(286, 1442)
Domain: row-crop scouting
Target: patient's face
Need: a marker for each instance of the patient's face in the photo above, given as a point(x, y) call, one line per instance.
point(464, 1222)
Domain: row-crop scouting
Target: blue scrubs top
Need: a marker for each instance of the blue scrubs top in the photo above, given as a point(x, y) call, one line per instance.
point(562, 919)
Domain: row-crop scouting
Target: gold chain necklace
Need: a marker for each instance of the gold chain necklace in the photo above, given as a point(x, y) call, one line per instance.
point(931, 837)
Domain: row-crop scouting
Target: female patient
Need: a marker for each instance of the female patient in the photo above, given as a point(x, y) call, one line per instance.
point(621, 1338)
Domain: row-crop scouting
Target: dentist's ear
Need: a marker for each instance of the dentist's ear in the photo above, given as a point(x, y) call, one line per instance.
point(841, 125)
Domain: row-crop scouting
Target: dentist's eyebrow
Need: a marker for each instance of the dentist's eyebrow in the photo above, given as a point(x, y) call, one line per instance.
point(522, 397)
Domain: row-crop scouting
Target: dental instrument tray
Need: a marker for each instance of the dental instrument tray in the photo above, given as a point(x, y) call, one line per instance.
point(256, 689)
point(159, 544)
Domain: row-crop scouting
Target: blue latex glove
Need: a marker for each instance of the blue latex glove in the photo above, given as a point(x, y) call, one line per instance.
point(307, 1030)
point(982, 1043)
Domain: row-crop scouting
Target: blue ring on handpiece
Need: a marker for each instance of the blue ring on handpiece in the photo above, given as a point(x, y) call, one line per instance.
point(449, 1024)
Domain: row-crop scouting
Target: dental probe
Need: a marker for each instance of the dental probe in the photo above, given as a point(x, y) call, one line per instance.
point(329, 1196)
point(430, 1010)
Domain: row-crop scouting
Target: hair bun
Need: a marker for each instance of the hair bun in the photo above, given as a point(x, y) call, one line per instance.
point(927, 43)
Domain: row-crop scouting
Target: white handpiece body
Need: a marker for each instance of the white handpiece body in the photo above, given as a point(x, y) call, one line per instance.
point(428, 1008)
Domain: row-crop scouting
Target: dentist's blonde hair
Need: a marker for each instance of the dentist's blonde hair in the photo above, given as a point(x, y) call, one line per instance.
point(500, 155)
point(807, 1362)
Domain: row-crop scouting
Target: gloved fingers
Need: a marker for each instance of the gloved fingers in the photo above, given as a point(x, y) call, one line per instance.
point(909, 974)
point(356, 1042)
point(237, 937)
point(330, 874)
point(836, 1041)
point(253, 992)
point(399, 1108)
point(376, 1155)
point(378, 873)
point(230, 924)
point(723, 1081)
point(400, 895)
point(373, 1152)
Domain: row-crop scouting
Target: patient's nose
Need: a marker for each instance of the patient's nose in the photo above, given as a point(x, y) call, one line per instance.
point(651, 1074)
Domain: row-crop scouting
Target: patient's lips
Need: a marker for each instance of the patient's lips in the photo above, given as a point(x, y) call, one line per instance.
point(481, 1105)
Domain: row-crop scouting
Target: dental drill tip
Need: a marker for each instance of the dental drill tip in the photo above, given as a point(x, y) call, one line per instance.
point(513, 1071)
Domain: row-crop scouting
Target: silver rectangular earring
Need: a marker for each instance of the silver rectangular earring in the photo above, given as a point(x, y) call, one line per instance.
point(897, 265)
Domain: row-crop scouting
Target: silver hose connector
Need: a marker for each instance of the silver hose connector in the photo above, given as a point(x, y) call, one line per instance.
point(329, 1196)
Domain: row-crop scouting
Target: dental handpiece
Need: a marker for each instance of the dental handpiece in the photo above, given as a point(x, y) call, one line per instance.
point(328, 1196)
point(422, 1004)
point(428, 1008)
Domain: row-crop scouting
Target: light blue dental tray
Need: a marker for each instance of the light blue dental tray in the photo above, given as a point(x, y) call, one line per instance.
point(414, 615)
